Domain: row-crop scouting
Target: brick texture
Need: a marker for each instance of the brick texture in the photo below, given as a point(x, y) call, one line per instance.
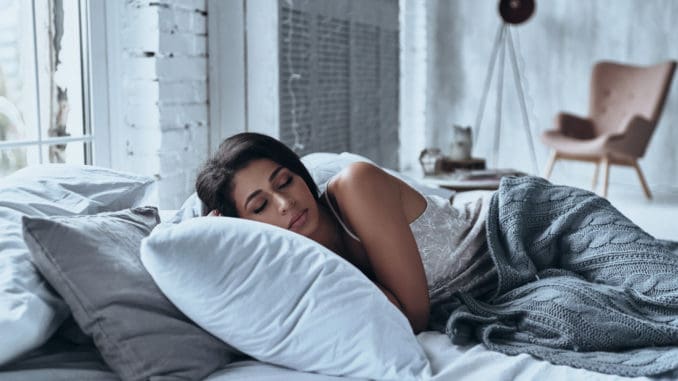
point(165, 103)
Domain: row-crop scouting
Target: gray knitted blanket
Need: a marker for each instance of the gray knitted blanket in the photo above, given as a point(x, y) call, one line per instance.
point(578, 284)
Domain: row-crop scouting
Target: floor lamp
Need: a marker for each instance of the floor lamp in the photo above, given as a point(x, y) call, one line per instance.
point(512, 12)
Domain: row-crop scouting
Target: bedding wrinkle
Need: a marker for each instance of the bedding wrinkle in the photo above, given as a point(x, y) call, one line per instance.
point(297, 307)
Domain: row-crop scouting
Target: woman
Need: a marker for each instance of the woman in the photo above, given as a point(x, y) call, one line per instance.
point(553, 271)
point(375, 221)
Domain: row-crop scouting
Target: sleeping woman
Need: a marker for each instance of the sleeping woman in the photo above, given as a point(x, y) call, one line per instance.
point(529, 268)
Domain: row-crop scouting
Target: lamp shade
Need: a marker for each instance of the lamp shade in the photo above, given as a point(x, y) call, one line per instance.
point(516, 11)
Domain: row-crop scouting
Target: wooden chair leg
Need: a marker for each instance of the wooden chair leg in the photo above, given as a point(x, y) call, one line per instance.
point(549, 166)
point(606, 174)
point(646, 189)
point(594, 184)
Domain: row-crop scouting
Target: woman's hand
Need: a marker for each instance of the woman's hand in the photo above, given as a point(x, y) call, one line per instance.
point(214, 213)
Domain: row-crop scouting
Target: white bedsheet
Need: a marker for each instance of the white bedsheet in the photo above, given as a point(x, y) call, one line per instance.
point(449, 362)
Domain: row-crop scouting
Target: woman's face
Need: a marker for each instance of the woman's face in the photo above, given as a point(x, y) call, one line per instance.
point(267, 192)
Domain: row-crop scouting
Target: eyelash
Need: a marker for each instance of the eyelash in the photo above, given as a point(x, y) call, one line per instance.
point(263, 205)
point(286, 183)
point(261, 208)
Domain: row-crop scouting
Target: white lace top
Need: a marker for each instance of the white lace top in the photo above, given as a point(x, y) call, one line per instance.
point(453, 248)
point(452, 244)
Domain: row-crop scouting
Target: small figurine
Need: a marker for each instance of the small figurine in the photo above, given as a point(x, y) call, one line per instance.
point(462, 142)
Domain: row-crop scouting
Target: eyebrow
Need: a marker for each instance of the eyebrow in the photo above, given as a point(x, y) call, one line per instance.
point(270, 179)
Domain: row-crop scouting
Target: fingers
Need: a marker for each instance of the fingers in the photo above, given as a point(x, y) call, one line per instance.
point(214, 213)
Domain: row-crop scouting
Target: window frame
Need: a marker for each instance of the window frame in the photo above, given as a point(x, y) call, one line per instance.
point(99, 20)
point(88, 135)
point(242, 99)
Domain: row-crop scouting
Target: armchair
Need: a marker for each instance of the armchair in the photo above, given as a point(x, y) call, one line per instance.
point(624, 108)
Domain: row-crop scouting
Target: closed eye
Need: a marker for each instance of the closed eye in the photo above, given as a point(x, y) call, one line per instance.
point(261, 208)
point(287, 182)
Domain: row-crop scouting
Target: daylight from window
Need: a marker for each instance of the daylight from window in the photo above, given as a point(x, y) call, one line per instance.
point(41, 84)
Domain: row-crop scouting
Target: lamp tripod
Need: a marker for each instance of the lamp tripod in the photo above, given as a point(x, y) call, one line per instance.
point(503, 42)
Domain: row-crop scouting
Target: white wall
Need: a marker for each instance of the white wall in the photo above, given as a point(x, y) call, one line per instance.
point(557, 48)
point(157, 58)
point(413, 83)
point(159, 61)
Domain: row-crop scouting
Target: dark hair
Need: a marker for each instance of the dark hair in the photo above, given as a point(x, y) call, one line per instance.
point(215, 180)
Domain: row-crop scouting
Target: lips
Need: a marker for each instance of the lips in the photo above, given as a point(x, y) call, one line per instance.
point(298, 220)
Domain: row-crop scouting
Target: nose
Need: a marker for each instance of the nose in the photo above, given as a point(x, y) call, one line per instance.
point(285, 203)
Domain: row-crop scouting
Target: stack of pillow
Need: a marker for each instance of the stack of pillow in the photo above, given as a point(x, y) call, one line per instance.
point(81, 228)
point(30, 311)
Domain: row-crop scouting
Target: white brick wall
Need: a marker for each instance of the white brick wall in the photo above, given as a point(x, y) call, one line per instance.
point(164, 103)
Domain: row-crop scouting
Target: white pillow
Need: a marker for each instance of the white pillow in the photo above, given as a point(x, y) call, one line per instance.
point(324, 165)
point(282, 298)
point(29, 310)
point(191, 208)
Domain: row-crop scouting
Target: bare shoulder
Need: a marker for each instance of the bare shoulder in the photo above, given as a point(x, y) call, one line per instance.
point(360, 170)
point(368, 187)
point(360, 175)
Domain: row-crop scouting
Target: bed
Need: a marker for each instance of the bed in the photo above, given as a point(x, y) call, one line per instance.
point(32, 350)
point(56, 363)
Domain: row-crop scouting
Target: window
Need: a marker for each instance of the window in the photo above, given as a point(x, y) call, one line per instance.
point(43, 89)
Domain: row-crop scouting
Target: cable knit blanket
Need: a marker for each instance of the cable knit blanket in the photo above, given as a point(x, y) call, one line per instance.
point(578, 284)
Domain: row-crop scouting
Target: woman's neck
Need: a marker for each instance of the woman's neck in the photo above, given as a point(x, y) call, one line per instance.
point(329, 232)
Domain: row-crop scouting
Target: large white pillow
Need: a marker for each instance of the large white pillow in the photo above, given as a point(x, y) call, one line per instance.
point(29, 310)
point(282, 298)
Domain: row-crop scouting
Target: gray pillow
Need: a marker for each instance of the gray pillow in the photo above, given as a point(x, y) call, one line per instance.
point(30, 311)
point(93, 263)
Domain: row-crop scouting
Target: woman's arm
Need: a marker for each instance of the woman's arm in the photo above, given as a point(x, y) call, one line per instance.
point(391, 297)
point(371, 202)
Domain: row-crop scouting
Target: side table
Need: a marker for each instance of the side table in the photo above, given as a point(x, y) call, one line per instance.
point(487, 179)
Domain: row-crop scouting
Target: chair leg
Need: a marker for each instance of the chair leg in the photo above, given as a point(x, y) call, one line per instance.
point(646, 189)
point(549, 166)
point(606, 174)
point(594, 184)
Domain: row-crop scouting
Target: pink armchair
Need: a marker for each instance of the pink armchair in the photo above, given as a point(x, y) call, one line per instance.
point(624, 108)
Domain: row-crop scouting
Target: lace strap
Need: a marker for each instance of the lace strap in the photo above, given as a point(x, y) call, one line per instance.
point(343, 225)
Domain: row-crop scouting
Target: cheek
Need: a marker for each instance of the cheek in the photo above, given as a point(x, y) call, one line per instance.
point(272, 217)
point(303, 189)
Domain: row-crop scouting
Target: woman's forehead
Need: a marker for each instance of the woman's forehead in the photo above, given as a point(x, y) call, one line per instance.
point(258, 168)
point(255, 174)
